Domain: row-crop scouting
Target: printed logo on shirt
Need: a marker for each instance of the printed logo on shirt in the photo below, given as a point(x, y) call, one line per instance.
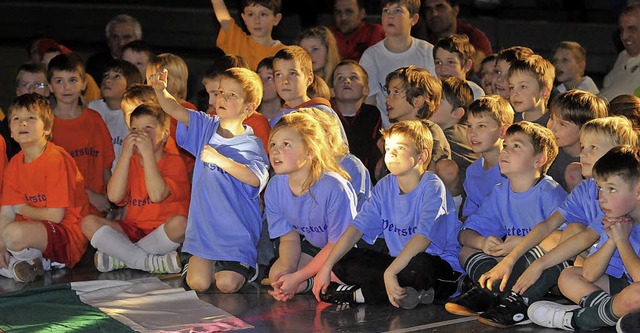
point(140, 202)
point(212, 167)
point(40, 197)
point(311, 230)
point(403, 232)
point(117, 141)
point(86, 151)
point(518, 231)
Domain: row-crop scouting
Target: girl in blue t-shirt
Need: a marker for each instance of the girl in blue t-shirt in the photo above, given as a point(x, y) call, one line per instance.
point(308, 203)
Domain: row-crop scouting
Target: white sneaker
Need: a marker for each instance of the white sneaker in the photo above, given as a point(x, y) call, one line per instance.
point(552, 314)
point(168, 263)
point(106, 263)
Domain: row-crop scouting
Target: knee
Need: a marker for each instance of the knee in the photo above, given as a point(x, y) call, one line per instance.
point(229, 285)
point(629, 299)
point(175, 228)
point(89, 225)
point(568, 277)
point(14, 237)
point(198, 283)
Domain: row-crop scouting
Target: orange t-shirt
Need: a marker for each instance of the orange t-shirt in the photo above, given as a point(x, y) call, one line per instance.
point(88, 141)
point(235, 41)
point(146, 214)
point(50, 181)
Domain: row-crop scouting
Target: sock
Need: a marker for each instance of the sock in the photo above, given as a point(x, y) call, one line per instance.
point(157, 242)
point(110, 241)
point(8, 272)
point(597, 314)
point(359, 296)
point(309, 285)
point(478, 264)
point(26, 254)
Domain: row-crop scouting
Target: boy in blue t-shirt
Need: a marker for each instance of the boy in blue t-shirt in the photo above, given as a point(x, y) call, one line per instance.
point(224, 221)
point(487, 120)
point(510, 211)
point(604, 297)
point(413, 211)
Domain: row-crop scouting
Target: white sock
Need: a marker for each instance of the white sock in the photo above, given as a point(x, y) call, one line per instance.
point(157, 242)
point(359, 296)
point(27, 254)
point(8, 272)
point(108, 240)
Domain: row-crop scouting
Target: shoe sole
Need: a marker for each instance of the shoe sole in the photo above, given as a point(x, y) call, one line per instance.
point(25, 272)
point(460, 310)
point(498, 325)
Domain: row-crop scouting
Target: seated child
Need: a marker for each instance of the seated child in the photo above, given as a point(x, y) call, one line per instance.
point(486, 73)
point(224, 219)
point(569, 111)
point(570, 61)
point(361, 121)
point(511, 210)
point(604, 287)
point(308, 203)
point(271, 103)
point(504, 59)
point(81, 131)
point(152, 181)
point(118, 76)
point(530, 85)
point(321, 45)
point(627, 106)
point(140, 54)
point(413, 211)
point(43, 197)
point(453, 56)
point(488, 118)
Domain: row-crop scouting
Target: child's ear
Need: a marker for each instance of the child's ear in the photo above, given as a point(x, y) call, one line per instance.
point(425, 156)
point(414, 19)
point(541, 159)
point(418, 102)
point(458, 113)
point(503, 131)
point(309, 79)
point(467, 65)
point(545, 92)
point(250, 107)
point(333, 92)
point(277, 19)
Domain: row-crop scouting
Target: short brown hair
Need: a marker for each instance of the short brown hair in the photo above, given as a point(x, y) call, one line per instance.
point(458, 44)
point(419, 82)
point(66, 63)
point(363, 73)
point(514, 53)
point(458, 93)
point(250, 82)
point(417, 131)
point(628, 106)
point(495, 106)
point(578, 107)
point(622, 161)
point(273, 5)
point(37, 104)
point(543, 140)
point(575, 48)
point(299, 56)
point(413, 6)
point(151, 109)
point(538, 67)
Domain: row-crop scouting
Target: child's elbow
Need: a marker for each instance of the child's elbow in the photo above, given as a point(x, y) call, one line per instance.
point(57, 216)
point(159, 196)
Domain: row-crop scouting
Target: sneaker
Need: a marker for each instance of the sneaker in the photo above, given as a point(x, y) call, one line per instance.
point(472, 303)
point(414, 297)
point(27, 271)
point(465, 284)
point(510, 311)
point(162, 264)
point(106, 263)
point(628, 323)
point(552, 314)
point(340, 294)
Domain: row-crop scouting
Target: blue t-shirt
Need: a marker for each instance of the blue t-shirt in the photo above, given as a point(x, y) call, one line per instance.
point(322, 107)
point(478, 184)
point(428, 210)
point(508, 213)
point(224, 219)
point(321, 215)
point(360, 178)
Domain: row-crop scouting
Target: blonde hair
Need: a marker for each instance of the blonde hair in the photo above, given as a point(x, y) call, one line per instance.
point(494, 106)
point(617, 128)
point(331, 127)
point(322, 157)
point(576, 50)
point(415, 130)
point(326, 38)
point(250, 82)
point(178, 73)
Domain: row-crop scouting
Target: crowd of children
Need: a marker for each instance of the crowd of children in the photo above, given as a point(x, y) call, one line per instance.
point(484, 195)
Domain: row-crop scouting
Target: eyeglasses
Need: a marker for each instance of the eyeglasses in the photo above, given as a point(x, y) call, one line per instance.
point(28, 85)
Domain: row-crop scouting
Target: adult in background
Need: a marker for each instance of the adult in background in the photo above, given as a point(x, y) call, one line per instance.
point(120, 30)
point(352, 33)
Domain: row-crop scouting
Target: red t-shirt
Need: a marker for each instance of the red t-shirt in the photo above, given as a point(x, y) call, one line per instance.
point(352, 46)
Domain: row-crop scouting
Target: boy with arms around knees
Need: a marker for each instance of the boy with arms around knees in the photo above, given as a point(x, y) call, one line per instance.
point(81, 131)
point(416, 215)
point(487, 120)
point(260, 16)
point(224, 219)
point(151, 179)
point(604, 287)
point(530, 85)
point(569, 111)
point(513, 207)
point(43, 197)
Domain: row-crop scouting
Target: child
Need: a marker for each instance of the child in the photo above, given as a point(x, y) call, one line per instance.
point(211, 82)
point(361, 121)
point(453, 56)
point(513, 207)
point(43, 197)
point(414, 212)
point(322, 48)
point(486, 73)
point(81, 131)
point(271, 103)
point(151, 179)
point(396, 50)
point(530, 85)
point(319, 89)
point(488, 118)
point(570, 61)
point(504, 59)
point(569, 111)
point(134, 96)
point(308, 203)
point(627, 106)
point(580, 209)
point(260, 16)
point(140, 54)
point(118, 76)
point(32, 78)
point(603, 297)
point(224, 215)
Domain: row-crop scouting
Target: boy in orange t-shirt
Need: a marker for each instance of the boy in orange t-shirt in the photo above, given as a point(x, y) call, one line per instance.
point(43, 197)
point(81, 131)
point(151, 178)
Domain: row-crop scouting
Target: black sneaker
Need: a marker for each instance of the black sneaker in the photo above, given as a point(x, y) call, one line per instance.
point(340, 294)
point(510, 311)
point(472, 303)
point(465, 284)
point(628, 323)
point(414, 297)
